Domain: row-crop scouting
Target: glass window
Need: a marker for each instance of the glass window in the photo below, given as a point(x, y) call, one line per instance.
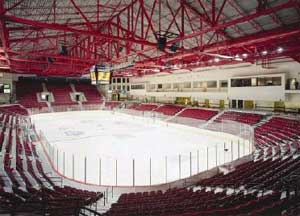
point(167, 86)
point(241, 82)
point(176, 86)
point(233, 104)
point(260, 81)
point(211, 84)
point(197, 84)
point(152, 86)
point(276, 81)
point(223, 83)
point(187, 85)
point(137, 86)
point(256, 81)
point(269, 81)
point(240, 104)
point(203, 84)
point(246, 82)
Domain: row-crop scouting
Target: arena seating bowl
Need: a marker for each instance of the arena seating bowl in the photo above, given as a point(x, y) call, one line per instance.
point(18, 192)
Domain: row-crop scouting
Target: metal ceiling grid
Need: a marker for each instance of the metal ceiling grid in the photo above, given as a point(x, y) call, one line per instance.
point(34, 32)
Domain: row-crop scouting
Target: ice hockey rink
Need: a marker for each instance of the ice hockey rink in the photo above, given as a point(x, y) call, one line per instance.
point(112, 148)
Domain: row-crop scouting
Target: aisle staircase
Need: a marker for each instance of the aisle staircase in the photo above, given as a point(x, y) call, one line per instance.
point(263, 121)
point(177, 114)
point(102, 205)
point(73, 87)
point(44, 87)
point(159, 105)
point(210, 121)
point(49, 107)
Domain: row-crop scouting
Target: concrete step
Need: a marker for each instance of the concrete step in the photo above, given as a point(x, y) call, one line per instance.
point(212, 119)
point(177, 114)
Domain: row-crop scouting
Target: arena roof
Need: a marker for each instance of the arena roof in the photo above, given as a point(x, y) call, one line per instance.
point(66, 37)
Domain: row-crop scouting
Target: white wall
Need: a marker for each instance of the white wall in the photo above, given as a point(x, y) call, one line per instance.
point(268, 93)
point(259, 93)
point(285, 67)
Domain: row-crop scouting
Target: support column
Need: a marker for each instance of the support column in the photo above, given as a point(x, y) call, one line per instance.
point(85, 169)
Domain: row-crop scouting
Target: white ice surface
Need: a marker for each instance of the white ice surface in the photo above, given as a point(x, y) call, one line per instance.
point(119, 138)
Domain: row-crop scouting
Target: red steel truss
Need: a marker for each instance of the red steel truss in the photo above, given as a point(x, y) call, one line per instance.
point(206, 33)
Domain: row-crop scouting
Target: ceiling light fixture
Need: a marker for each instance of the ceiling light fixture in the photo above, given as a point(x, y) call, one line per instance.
point(217, 60)
point(279, 49)
point(245, 55)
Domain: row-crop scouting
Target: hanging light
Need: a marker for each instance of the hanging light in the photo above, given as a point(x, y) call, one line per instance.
point(279, 50)
point(238, 58)
point(245, 55)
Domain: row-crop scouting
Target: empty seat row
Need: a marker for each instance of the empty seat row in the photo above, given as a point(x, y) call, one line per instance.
point(241, 117)
point(169, 109)
point(200, 114)
point(261, 174)
point(112, 104)
point(24, 185)
point(276, 131)
point(186, 202)
point(144, 107)
point(61, 93)
point(92, 95)
point(28, 91)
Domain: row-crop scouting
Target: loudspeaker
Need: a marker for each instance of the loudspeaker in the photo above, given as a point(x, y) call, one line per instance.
point(174, 47)
point(64, 50)
point(162, 43)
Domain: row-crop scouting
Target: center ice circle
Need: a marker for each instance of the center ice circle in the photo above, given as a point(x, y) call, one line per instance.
point(116, 139)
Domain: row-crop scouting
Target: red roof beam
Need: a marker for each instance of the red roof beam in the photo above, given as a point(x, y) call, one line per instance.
point(277, 34)
point(67, 28)
point(289, 4)
point(90, 26)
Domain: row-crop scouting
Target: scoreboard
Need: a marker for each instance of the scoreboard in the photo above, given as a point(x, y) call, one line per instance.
point(99, 75)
